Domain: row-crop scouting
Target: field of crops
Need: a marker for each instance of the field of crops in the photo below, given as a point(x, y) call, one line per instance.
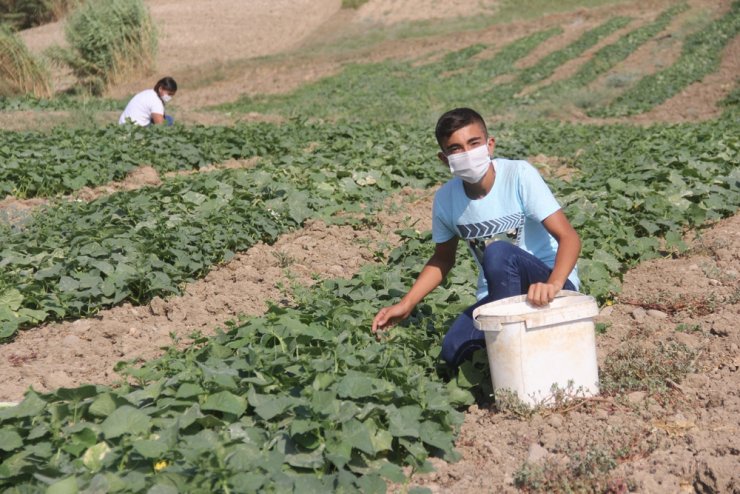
point(304, 398)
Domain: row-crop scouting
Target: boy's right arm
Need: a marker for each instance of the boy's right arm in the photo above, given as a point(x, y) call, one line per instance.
point(430, 277)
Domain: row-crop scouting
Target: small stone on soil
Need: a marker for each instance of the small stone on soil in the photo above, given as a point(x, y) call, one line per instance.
point(556, 421)
point(719, 331)
point(639, 314)
point(636, 397)
point(536, 453)
point(657, 314)
point(71, 341)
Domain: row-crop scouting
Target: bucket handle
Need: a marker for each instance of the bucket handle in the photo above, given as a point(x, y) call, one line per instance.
point(537, 319)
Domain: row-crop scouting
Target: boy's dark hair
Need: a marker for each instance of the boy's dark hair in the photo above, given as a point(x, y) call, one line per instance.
point(166, 83)
point(455, 120)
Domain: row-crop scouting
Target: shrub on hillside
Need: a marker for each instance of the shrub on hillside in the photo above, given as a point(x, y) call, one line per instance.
point(22, 14)
point(109, 40)
point(20, 71)
point(353, 4)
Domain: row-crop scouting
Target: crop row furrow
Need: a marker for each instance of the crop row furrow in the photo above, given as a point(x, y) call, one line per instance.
point(700, 56)
point(397, 91)
point(37, 164)
point(608, 56)
point(77, 258)
point(302, 399)
point(504, 95)
point(407, 92)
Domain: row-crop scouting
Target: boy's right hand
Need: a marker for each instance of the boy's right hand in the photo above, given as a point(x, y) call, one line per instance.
point(388, 316)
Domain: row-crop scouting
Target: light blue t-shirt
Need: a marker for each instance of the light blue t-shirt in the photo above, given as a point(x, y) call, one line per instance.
point(512, 211)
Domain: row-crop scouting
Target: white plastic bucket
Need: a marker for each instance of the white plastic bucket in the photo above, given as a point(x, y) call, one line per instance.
point(530, 348)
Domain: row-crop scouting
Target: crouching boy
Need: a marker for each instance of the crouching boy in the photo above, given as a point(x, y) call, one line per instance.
point(521, 240)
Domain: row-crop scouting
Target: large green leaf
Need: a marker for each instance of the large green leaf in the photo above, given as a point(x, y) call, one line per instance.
point(225, 402)
point(10, 440)
point(125, 420)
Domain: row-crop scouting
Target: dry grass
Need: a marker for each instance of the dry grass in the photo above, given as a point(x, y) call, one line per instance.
point(20, 71)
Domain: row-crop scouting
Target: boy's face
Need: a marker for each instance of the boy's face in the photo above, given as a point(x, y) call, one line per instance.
point(464, 139)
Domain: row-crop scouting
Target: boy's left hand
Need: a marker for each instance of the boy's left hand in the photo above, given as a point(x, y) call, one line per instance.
point(540, 294)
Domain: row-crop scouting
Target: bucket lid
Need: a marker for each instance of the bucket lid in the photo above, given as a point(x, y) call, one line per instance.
point(567, 306)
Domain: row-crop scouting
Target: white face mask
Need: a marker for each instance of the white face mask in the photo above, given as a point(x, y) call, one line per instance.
point(166, 98)
point(471, 165)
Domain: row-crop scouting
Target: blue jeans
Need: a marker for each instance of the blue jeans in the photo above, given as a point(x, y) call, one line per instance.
point(170, 120)
point(509, 271)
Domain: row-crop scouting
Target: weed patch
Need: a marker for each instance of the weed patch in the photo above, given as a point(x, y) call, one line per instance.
point(635, 367)
point(353, 4)
point(586, 468)
point(583, 472)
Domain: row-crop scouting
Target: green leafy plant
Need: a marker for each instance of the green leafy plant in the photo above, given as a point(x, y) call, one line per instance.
point(59, 102)
point(305, 398)
point(397, 91)
point(547, 65)
point(381, 91)
point(659, 192)
point(302, 399)
point(505, 96)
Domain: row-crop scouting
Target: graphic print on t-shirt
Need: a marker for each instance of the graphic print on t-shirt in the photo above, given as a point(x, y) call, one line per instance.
point(479, 235)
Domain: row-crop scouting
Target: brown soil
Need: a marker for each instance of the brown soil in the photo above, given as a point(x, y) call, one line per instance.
point(682, 439)
point(388, 12)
